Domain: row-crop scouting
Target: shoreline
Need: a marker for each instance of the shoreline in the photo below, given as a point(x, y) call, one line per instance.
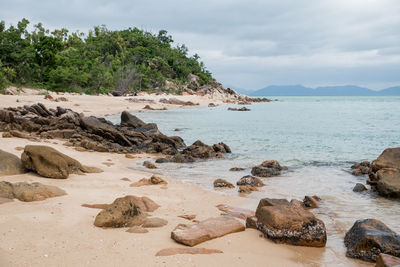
point(59, 226)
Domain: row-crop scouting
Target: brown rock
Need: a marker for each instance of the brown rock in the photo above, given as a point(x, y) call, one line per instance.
point(154, 222)
point(223, 183)
point(311, 202)
point(236, 169)
point(247, 189)
point(10, 164)
point(129, 156)
point(141, 182)
point(125, 179)
point(6, 190)
point(174, 251)
point(236, 212)
point(19, 148)
point(125, 211)
point(157, 180)
point(390, 158)
point(29, 192)
point(6, 135)
point(388, 184)
point(51, 163)
point(251, 181)
point(211, 228)
point(251, 222)
point(385, 260)
point(290, 224)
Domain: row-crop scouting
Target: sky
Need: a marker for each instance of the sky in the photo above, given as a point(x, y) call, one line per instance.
point(252, 44)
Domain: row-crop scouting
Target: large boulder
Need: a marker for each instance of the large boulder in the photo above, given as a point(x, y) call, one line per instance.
point(125, 212)
point(385, 173)
point(48, 162)
point(29, 192)
point(368, 238)
point(268, 168)
point(191, 235)
point(388, 184)
point(10, 164)
point(288, 222)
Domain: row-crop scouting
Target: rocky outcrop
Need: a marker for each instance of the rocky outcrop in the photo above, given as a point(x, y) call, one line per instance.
point(368, 238)
point(10, 164)
point(125, 212)
point(222, 183)
point(385, 173)
point(191, 235)
point(29, 192)
point(362, 168)
point(131, 136)
point(48, 162)
point(287, 222)
point(385, 260)
point(174, 251)
point(268, 168)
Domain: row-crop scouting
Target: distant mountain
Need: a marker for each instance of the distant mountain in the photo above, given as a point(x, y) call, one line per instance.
point(346, 90)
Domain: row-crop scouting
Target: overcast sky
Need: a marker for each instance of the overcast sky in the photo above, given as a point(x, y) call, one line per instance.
point(252, 44)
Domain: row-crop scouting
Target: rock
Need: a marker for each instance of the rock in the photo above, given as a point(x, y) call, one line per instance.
point(5, 200)
point(388, 184)
point(29, 192)
point(368, 238)
point(211, 105)
point(35, 191)
point(130, 120)
point(239, 109)
point(251, 181)
point(149, 165)
point(48, 162)
point(49, 97)
point(268, 168)
point(251, 222)
point(137, 230)
point(390, 158)
point(10, 164)
point(11, 91)
point(129, 156)
point(125, 211)
point(125, 179)
point(175, 101)
point(174, 251)
point(19, 148)
point(236, 169)
point(362, 168)
point(61, 99)
point(153, 180)
point(6, 135)
point(154, 223)
point(236, 212)
point(284, 222)
point(211, 228)
point(311, 202)
point(359, 188)
point(247, 189)
point(385, 260)
point(223, 183)
point(188, 216)
point(162, 160)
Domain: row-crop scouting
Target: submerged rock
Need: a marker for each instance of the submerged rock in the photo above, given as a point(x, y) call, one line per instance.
point(286, 222)
point(48, 162)
point(268, 168)
point(191, 235)
point(10, 164)
point(239, 109)
point(368, 238)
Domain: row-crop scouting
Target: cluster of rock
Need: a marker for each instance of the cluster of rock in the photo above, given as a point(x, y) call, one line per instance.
point(362, 168)
point(198, 150)
point(98, 134)
point(28, 192)
point(239, 109)
point(288, 222)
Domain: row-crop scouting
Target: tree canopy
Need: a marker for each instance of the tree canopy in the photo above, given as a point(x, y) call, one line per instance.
point(100, 61)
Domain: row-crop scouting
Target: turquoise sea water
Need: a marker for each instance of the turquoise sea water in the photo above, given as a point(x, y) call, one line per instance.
point(318, 138)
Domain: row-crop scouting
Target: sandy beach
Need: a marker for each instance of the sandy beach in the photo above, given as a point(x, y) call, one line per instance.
point(60, 232)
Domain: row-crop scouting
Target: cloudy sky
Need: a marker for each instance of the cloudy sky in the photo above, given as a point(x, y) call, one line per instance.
point(251, 44)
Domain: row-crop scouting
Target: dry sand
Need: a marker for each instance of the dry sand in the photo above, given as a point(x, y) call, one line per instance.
point(59, 232)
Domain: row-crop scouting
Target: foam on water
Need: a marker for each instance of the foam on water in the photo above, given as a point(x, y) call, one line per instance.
point(316, 137)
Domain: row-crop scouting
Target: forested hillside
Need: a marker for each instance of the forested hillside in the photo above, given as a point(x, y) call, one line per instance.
point(100, 61)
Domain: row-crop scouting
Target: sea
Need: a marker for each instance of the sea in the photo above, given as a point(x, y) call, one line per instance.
point(317, 138)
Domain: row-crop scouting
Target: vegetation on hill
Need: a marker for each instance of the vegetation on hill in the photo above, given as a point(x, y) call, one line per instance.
point(98, 62)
